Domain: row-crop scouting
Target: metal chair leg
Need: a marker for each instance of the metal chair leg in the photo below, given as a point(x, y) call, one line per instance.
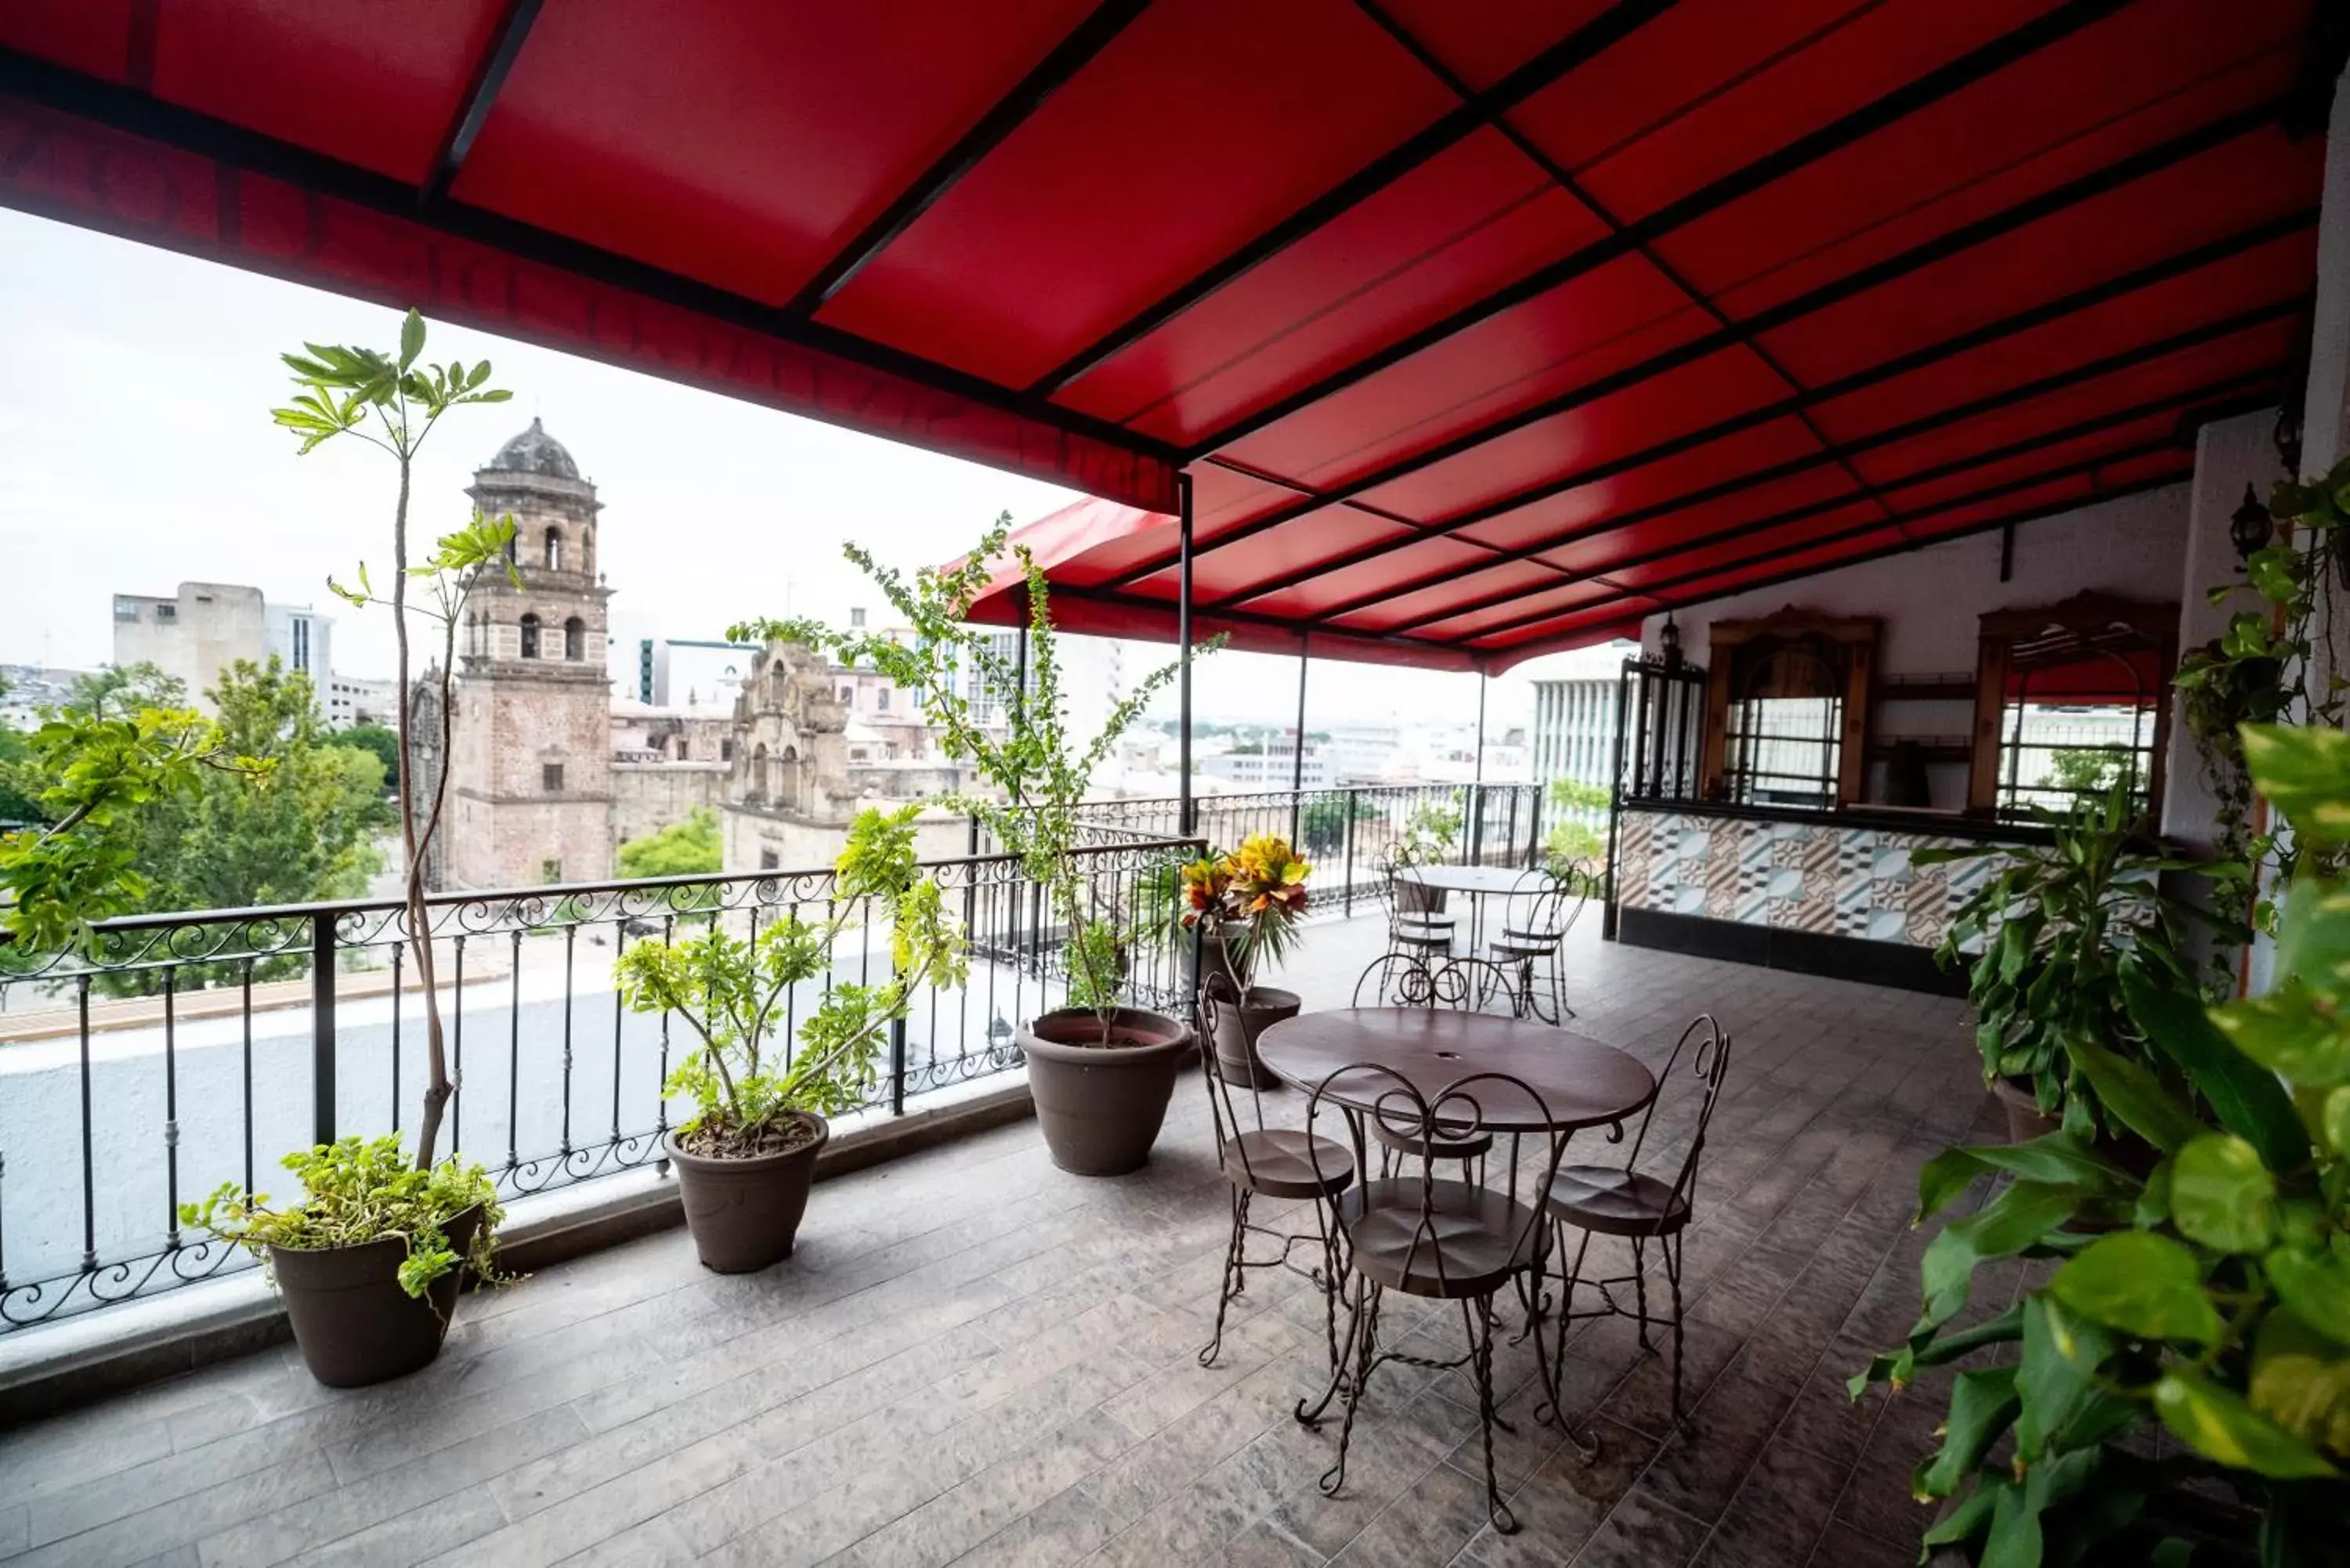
point(1479, 1324)
point(1233, 1275)
point(1350, 1394)
point(1640, 1289)
point(1672, 1251)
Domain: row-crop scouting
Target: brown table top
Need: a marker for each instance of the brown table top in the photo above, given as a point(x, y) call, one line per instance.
point(1583, 1083)
point(1470, 879)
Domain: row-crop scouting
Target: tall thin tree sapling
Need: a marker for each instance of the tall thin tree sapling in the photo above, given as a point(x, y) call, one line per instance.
point(394, 401)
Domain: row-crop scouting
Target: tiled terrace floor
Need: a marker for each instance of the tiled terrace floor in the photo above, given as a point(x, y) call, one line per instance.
point(975, 1358)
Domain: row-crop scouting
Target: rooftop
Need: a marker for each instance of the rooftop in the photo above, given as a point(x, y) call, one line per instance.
point(974, 1357)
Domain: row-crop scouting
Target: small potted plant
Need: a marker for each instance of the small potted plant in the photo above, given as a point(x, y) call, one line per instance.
point(370, 1260)
point(1246, 905)
point(1101, 1071)
point(746, 1159)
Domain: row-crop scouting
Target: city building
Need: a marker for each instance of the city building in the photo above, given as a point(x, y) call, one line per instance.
point(681, 673)
point(205, 628)
point(1574, 717)
point(1269, 763)
point(350, 700)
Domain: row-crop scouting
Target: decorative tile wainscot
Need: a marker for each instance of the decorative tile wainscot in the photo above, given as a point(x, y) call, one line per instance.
point(1821, 877)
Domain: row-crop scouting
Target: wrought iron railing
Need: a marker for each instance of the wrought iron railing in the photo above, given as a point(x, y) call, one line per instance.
point(1343, 830)
point(185, 1050)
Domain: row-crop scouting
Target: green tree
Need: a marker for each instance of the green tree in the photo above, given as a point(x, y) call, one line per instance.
point(2088, 770)
point(18, 805)
point(379, 740)
point(1323, 824)
point(302, 832)
point(121, 690)
point(680, 849)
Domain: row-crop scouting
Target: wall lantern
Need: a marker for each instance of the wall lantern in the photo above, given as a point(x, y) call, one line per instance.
point(2251, 528)
point(1668, 640)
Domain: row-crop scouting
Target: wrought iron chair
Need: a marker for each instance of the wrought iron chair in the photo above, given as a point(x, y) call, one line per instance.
point(1438, 1239)
point(1419, 924)
point(1280, 1163)
point(1606, 1200)
point(1537, 916)
point(1464, 985)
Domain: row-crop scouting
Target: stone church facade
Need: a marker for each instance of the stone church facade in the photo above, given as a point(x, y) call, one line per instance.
point(549, 774)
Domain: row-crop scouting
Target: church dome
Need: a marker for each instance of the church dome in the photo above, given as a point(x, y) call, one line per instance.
point(534, 452)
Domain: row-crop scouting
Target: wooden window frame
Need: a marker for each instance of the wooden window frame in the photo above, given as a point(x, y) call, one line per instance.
point(1857, 635)
point(1997, 632)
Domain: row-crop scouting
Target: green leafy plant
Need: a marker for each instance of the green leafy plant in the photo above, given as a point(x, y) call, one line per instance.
point(394, 401)
point(1322, 826)
point(2209, 1295)
point(1038, 771)
point(2265, 669)
point(102, 771)
point(360, 1191)
point(730, 990)
point(682, 848)
point(1431, 829)
point(2053, 925)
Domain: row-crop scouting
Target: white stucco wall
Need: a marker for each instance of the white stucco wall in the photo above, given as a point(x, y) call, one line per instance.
point(1929, 599)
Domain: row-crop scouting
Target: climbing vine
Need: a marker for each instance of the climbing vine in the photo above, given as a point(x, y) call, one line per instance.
point(2267, 668)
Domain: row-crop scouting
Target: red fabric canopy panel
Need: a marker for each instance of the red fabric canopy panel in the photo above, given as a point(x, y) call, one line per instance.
point(1480, 330)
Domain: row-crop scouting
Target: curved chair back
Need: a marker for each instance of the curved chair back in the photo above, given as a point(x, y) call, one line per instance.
point(1442, 1215)
point(1231, 1111)
point(1711, 1065)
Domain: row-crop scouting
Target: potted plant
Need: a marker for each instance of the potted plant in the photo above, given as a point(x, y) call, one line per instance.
point(2053, 924)
point(1101, 1071)
point(746, 1159)
point(1246, 907)
point(367, 1259)
point(369, 1262)
point(2216, 1305)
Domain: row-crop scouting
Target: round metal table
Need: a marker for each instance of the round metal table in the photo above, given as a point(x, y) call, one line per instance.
point(1582, 1082)
point(1477, 882)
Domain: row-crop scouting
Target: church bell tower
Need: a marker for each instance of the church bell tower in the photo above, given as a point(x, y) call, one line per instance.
point(530, 795)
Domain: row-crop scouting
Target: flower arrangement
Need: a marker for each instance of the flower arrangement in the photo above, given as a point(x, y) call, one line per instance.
point(1259, 888)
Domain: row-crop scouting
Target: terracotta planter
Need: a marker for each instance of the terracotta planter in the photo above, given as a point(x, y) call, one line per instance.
point(2025, 1120)
point(745, 1214)
point(1238, 1024)
point(352, 1322)
point(1101, 1105)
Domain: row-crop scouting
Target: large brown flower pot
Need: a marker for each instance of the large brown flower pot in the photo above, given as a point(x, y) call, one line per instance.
point(1238, 1024)
point(2025, 1119)
point(745, 1214)
point(1101, 1105)
point(352, 1322)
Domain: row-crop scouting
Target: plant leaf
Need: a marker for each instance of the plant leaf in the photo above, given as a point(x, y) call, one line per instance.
point(2144, 1285)
point(2222, 1196)
point(2244, 1095)
point(2135, 1096)
point(1983, 1403)
point(2220, 1426)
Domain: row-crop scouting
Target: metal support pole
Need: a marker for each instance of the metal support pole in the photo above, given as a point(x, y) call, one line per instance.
point(1614, 802)
point(1297, 753)
point(322, 1029)
point(1183, 637)
point(1477, 783)
point(1352, 798)
point(898, 1066)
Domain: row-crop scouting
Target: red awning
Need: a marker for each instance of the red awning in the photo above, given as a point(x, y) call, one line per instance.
point(1480, 330)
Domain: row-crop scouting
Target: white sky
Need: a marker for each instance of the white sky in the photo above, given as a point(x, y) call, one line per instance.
point(137, 452)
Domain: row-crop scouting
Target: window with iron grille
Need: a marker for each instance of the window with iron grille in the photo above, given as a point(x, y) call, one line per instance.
point(550, 777)
point(1783, 737)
